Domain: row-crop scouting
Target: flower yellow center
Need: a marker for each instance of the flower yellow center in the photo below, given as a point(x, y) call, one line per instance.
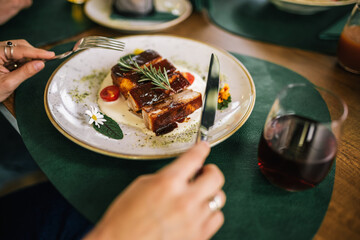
point(94, 117)
point(224, 93)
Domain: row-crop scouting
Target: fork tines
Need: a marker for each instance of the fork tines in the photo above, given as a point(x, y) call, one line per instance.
point(103, 42)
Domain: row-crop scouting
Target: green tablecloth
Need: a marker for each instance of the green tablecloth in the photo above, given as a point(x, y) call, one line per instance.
point(46, 22)
point(255, 209)
point(261, 20)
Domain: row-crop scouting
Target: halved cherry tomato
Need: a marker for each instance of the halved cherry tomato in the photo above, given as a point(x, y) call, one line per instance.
point(189, 77)
point(110, 93)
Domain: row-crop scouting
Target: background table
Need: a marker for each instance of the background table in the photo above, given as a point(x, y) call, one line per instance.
point(342, 220)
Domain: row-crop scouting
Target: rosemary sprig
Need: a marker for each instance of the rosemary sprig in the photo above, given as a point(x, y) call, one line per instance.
point(156, 76)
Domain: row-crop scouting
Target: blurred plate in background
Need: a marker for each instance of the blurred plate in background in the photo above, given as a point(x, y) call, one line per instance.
point(307, 7)
point(100, 11)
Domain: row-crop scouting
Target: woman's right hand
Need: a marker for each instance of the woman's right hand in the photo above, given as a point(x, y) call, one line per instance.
point(170, 204)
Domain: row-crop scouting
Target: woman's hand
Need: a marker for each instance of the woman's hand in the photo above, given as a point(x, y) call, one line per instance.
point(9, 81)
point(10, 8)
point(170, 204)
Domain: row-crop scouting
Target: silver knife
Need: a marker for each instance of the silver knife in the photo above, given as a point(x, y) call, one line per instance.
point(210, 99)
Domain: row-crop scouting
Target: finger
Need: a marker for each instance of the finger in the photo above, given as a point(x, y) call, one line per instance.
point(212, 224)
point(3, 69)
point(5, 51)
point(4, 17)
point(17, 42)
point(206, 211)
point(222, 196)
point(23, 51)
point(188, 163)
point(208, 182)
point(27, 3)
point(16, 77)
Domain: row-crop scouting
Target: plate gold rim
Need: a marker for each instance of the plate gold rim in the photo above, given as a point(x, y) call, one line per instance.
point(319, 3)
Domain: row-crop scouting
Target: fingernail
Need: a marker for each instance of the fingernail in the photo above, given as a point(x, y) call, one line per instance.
point(38, 65)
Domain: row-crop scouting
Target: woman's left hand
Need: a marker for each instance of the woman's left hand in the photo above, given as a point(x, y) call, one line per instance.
point(9, 81)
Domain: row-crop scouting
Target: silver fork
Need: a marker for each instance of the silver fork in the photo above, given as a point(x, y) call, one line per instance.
point(81, 44)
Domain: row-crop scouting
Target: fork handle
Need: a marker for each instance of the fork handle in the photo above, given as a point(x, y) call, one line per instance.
point(15, 64)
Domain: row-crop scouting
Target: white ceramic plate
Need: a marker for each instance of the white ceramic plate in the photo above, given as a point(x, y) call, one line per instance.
point(72, 88)
point(307, 7)
point(100, 10)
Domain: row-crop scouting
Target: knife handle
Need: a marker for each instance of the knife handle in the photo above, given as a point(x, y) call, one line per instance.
point(15, 64)
point(201, 137)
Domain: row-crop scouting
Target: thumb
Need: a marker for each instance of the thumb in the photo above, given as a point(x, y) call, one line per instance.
point(26, 71)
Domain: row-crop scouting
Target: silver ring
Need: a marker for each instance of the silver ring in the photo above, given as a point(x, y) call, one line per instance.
point(11, 46)
point(215, 203)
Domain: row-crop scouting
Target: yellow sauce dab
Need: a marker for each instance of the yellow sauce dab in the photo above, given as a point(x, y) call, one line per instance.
point(138, 51)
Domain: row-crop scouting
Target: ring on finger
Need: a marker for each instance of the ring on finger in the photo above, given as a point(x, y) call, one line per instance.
point(215, 203)
point(9, 46)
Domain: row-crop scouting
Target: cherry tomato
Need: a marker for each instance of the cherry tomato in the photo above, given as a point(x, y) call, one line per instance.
point(110, 93)
point(189, 77)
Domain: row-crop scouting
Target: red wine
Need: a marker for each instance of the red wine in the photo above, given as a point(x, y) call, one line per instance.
point(296, 153)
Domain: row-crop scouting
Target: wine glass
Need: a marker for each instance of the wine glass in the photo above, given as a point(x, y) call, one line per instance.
point(348, 51)
point(301, 136)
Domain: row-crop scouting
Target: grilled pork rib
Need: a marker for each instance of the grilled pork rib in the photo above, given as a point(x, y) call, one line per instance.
point(127, 80)
point(147, 94)
point(162, 117)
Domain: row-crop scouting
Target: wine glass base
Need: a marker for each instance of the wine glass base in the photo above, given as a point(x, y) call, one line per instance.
point(349, 69)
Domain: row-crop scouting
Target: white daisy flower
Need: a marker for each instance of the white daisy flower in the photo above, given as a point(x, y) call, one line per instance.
point(95, 116)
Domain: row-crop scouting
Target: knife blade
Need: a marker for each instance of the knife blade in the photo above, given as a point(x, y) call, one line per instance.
point(210, 99)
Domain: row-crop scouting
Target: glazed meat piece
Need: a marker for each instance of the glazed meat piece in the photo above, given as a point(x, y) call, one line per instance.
point(127, 80)
point(145, 94)
point(162, 117)
point(145, 57)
